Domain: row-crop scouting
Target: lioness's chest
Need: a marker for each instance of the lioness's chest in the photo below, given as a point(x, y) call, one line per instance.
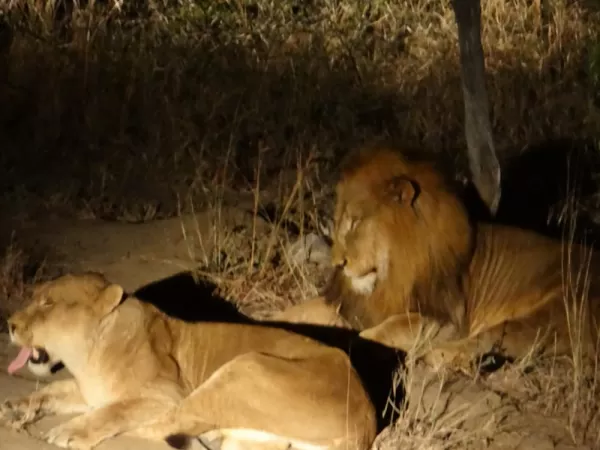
point(97, 392)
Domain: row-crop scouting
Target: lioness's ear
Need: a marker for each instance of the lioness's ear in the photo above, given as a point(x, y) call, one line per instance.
point(403, 189)
point(109, 299)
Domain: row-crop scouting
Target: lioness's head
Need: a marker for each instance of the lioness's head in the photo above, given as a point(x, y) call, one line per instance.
point(58, 317)
point(395, 217)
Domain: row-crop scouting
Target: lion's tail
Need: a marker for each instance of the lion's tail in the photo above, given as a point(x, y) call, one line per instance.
point(179, 441)
point(182, 441)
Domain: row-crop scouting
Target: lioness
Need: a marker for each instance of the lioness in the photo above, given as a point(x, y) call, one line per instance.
point(410, 262)
point(137, 371)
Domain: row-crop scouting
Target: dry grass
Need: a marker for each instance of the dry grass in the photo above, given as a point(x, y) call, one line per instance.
point(11, 282)
point(18, 270)
point(127, 116)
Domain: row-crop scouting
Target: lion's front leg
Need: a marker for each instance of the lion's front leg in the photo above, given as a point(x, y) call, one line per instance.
point(88, 430)
point(314, 311)
point(58, 397)
point(424, 338)
point(412, 333)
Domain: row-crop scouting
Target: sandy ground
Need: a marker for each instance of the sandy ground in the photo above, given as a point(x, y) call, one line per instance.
point(452, 412)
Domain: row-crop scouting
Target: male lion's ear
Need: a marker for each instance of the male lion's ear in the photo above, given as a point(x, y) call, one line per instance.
point(109, 299)
point(404, 189)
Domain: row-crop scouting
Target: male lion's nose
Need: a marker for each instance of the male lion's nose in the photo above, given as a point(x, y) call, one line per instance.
point(339, 264)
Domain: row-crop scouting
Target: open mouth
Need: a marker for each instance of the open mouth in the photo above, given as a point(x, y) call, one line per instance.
point(35, 355)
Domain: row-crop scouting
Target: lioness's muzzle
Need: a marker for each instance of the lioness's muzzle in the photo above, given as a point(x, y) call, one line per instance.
point(39, 356)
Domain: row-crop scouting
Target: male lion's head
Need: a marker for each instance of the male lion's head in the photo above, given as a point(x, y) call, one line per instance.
point(58, 318)
point(396, 219)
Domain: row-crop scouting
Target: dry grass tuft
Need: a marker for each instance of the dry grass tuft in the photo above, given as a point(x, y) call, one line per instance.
point(11, 281)
point(18, 270)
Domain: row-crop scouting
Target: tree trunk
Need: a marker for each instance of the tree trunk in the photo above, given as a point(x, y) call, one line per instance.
point(483, 161)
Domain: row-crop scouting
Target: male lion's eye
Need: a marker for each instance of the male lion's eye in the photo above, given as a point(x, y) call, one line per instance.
point(354, 223)
point(45, 301)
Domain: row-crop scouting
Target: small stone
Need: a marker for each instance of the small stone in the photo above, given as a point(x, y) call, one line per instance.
point(310, 248)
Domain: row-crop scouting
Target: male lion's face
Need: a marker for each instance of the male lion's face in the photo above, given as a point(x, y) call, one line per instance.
point(359, 247)
point(57, 318)
point(373, 214)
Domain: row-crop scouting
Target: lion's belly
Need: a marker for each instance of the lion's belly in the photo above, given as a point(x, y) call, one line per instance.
point(512, 274)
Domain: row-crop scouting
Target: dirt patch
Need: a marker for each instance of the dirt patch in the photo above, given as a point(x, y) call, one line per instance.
point(455, 411)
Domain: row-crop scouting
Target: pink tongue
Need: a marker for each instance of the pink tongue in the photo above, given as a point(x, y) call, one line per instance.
point(20, 360)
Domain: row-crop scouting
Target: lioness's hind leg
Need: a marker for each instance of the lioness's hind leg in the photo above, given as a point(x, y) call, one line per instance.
point(315, 401)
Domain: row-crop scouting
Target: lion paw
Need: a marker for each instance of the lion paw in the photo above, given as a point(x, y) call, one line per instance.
point(70, 435)
point(18, 413)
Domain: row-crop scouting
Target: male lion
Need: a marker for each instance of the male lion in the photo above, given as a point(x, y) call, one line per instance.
point(138, 371)
point(411, 263)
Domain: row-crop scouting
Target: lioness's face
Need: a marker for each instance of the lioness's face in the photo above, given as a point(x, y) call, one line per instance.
point(58, 315)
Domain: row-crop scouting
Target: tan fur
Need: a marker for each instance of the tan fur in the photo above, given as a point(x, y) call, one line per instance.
point(137, 371)
point(410, 264)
